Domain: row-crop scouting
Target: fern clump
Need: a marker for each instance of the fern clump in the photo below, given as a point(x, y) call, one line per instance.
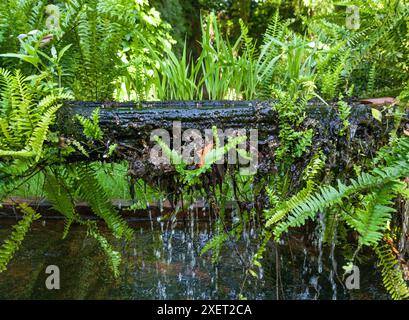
point(366, 204)
point(24, 122)
point(28, 147)
point(91, 126)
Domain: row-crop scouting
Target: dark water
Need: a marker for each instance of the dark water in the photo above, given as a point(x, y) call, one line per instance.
point(164, 263)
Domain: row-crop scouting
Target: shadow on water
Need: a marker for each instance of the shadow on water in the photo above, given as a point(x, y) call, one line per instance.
point(165, 263)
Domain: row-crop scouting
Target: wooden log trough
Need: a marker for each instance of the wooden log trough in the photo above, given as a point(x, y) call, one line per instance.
point(129, 126)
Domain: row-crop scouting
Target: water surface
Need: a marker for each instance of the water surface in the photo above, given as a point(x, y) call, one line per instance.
point(165, 263)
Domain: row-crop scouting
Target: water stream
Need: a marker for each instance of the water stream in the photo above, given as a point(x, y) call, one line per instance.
point(163, 262)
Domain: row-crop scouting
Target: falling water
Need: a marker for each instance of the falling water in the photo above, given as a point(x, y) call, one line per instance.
point(333, 261)
point(169, 267)
point(321, 232)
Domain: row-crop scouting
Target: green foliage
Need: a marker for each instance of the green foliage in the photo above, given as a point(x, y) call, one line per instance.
point(90, 190)
point(377, 50)
point(101, 35)
point(378, 212)
point(270, 52)
point(177, 78)
point(215, 245)
point(330, 72)
point(344, 113)
point(392, 275)
point(26, 141)
point(110, 57)
point(105, 49)
point(114, 257)
point(233, 71)
point(371, 217)
point(91, 126)
point(222, 71)
point(63, 187)
point(24, 121)
point(215, 154)
point(58, 191)
point(11, 245)
point(372, 78)
point(293, 139)
point(282, 207)
point(366, 204)
point(227, 74)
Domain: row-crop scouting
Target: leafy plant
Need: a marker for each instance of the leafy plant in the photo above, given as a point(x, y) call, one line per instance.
point(28, 146)
point(11, 245)
point(91, 126)
point(344, 113)
point(393, 279)
point(101, 36)
point(215, 154)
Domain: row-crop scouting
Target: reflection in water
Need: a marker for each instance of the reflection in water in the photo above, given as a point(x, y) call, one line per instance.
point(164, 262)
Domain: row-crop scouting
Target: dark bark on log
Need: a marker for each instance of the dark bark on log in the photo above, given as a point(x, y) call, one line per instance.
point(130, 126)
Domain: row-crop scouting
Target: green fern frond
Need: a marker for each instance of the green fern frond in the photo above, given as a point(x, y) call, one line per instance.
point(344, 113)
point(24, 124)
point(329, 196)
point(215, 245)
point(91, 191)
point(392, 275)
point(371, 81)
point(370, 219)
point(11, 245)
point(114, 257)
point(270, 54)
point(277, 214)
point(331, 76)
point(284, 207)
point(91, 126)
point(59, 193)
point(40, 132)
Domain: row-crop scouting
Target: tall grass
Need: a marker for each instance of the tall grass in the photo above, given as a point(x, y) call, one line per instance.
point(222, 71)
point(238, 71)
point(285, 61)
point(177, 79)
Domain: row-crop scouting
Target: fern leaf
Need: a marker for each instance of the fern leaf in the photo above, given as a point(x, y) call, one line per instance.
point(60, 196)
point(114, 256)
point(91, 191)
point(11, 245)
point(392, 275)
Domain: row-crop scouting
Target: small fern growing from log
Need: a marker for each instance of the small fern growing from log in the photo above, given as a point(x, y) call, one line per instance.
point(91, 126)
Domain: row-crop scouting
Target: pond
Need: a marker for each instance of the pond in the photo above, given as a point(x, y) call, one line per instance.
point(165, 263)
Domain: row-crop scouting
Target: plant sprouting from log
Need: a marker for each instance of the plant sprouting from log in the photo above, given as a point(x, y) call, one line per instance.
point(212, 156)
point(91, 126)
